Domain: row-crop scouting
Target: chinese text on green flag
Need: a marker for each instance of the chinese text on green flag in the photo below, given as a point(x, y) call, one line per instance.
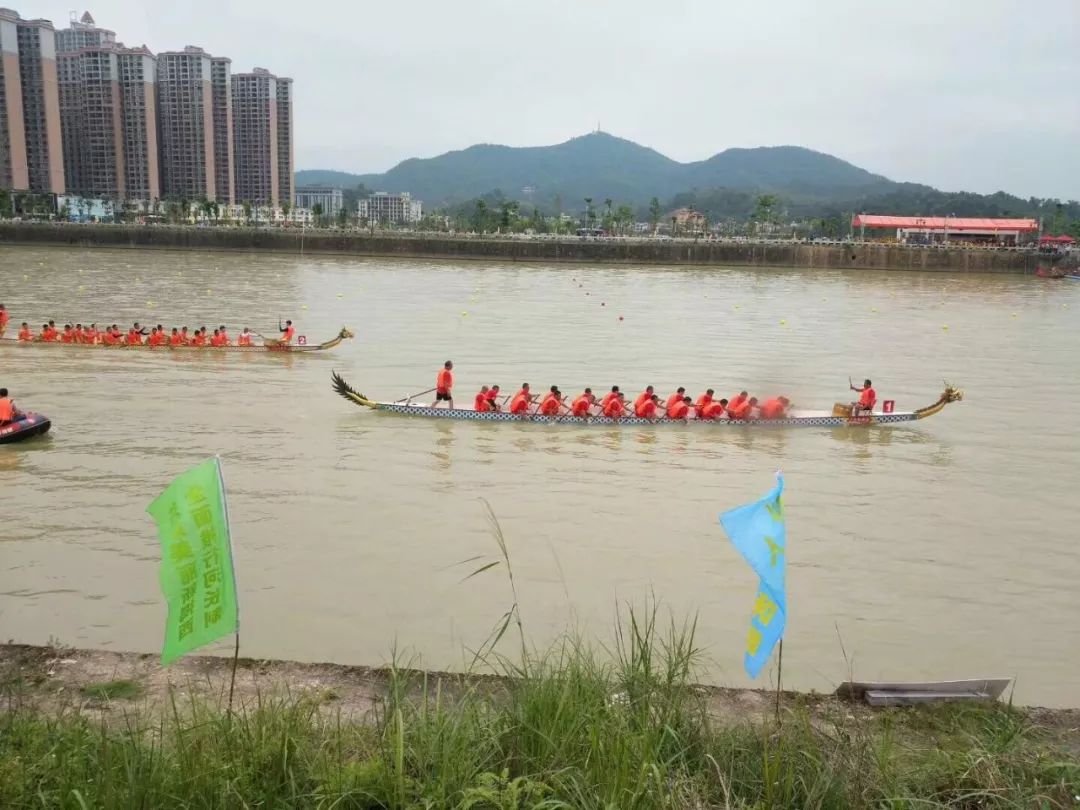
point(196, 560)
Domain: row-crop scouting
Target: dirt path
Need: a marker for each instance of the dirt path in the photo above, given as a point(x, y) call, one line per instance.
point(108, 684)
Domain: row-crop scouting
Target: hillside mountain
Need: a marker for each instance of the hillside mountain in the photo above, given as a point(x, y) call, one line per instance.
point(600, 166)
point(807, 184)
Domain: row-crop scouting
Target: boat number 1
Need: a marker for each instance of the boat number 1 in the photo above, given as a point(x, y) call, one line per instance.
point(302, 340)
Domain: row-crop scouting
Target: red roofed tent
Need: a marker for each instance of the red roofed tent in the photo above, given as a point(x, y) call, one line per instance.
point(1064, 239)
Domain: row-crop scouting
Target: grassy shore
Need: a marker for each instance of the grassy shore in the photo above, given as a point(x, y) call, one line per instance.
point(573, 727)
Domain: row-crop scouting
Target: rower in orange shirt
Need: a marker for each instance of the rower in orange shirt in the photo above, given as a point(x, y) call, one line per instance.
point(678, 396)
point(642, 398)
point(444, 384)
point(199, 338)
point(176, 339)
point(583, 404)
point(215, 340)
point(25, 335)
point(736, 404)
point(867, 399)
point(481, 404)
point(649, 408)
point(552, 403)
point(80, 335)
point(521, 401)
point(287, 333)
point(775, 408)
point(245, 338)
point(185, 338)
point(742, 410)
point(616, 408)
point(714, 410)
point(224, 336)
point(109, 338)
point(680, 409)
point(4, 319)
point(613, 394)
point(68, 335)
point(493, 398)
point(91, 334)
point(703, 402)
point(157, 337)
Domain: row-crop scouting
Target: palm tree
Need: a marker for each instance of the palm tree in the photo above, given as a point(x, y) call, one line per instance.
point(654, 213)
point(317, 212)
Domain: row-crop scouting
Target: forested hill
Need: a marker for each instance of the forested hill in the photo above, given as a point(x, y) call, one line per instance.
point(600, 166)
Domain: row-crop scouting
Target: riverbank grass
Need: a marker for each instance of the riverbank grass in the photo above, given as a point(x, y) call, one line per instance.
point(571, 727)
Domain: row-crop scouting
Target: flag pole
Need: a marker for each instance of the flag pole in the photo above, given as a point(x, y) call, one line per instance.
point(779, 675)
point(236, 591)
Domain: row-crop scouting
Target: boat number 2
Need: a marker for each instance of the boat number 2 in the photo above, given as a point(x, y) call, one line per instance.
point(302, 340)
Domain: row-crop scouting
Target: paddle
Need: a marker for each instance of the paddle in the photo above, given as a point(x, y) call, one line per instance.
point(413, 396)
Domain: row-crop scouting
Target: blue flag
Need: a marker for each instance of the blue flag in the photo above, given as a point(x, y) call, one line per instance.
point(759, 532)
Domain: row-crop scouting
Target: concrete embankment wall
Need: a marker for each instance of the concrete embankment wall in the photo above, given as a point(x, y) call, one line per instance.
point(850, 256)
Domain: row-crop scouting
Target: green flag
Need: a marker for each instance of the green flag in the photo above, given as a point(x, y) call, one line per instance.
point(196, 560)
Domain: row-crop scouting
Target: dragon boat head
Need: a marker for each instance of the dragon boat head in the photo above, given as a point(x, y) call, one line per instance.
point(951, 394)
point(346, 333)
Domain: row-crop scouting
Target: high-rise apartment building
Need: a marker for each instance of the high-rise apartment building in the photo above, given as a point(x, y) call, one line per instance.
point(286, 185)
point(221, 92)
point(186, 124)
point(138, 88)
point(91, 121)
point(255, 136)
point(36, 50)
point(13, 173)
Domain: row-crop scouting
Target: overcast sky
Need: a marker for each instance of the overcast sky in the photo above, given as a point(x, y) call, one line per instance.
point(978, 95)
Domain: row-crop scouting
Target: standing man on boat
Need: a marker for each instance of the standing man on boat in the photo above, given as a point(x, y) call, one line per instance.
point(444, 382)
point(4, 318)
point(867, 398)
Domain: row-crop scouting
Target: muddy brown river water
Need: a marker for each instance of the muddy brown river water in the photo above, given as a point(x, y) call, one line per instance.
point(942, 549)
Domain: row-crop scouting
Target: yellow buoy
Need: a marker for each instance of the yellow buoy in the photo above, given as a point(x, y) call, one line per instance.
point(25, 277)
point(783, 323)
point(339, 295)
point(873, 309)
point(945, 328)
point(209, 291)
point(303, 306)
point(464, 313)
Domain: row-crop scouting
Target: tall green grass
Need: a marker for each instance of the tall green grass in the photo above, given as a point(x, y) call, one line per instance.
point(571, 727)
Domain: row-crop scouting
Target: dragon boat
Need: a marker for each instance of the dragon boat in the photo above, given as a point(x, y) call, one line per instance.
point(27, 425)
point(268, 344)
point(840, 416)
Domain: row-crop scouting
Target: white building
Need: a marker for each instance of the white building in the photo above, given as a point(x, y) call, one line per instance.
point(390, 208)
point(330, 199)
